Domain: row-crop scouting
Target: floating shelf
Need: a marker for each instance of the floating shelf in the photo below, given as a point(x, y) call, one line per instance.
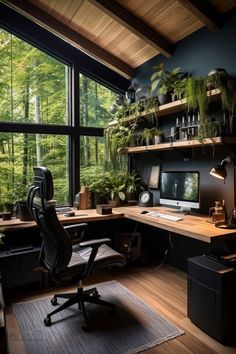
point(166, 109)
point(180, 144)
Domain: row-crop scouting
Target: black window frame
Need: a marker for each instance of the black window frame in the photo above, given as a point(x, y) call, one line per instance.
point(77, 62)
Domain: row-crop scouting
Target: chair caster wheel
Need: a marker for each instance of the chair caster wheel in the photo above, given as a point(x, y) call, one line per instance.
point(86, 328)
point(47, 321)
point(95, 294)
point(54, 301)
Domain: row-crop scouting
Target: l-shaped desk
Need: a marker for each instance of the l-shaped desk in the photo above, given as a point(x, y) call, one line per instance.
point(194, 226)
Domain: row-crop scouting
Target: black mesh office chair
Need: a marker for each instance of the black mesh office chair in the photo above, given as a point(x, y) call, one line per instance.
point(67, 263)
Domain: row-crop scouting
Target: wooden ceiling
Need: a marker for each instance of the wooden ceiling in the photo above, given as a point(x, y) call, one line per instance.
point(123, 34)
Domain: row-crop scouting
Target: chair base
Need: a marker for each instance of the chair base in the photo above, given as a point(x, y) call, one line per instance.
point(82, 296)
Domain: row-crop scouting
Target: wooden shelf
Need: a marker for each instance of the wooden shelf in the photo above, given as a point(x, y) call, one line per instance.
point(180, 144)
point(166, 109)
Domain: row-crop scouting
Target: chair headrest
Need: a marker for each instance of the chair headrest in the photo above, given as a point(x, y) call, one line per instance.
point(43, 180)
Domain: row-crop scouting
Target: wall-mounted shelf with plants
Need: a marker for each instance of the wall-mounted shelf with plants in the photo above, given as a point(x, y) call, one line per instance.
point(165, 109)
point(180, 144)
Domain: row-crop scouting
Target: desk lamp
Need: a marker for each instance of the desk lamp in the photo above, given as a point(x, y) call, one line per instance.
point(219, 171)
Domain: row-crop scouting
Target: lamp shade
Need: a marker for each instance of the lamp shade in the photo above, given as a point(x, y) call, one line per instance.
point(219, 171)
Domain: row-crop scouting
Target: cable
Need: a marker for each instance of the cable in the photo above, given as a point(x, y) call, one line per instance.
point(170, 247)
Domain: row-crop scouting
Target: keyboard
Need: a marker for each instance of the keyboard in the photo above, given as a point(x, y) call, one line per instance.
point(164, 216)
point(63, 209)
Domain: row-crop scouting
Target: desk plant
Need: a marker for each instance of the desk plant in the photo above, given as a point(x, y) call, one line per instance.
point(117, 186)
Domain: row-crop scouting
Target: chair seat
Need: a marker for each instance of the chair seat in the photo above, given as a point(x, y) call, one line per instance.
point(106, 257)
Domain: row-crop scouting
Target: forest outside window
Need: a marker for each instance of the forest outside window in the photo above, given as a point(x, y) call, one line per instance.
point(34, 85)
point(96, 101)
point(92, 158)
point(20, 152)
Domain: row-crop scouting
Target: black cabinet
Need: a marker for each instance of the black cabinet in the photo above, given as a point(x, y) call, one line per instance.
point(20, 268)
point(211, 297)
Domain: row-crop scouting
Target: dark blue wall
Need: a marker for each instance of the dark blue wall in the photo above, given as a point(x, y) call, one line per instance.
point(197, 55)
point(200, 52)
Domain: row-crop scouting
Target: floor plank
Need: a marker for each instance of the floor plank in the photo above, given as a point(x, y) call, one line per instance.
point(163, 288)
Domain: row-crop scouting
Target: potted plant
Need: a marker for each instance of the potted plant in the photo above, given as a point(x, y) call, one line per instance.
point(197, 101)
point(133, 185)
point(163, 81)
point(150, 135)
point(116, 187)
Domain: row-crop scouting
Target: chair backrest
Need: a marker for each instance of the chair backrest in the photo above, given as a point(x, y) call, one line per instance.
point(56, 247)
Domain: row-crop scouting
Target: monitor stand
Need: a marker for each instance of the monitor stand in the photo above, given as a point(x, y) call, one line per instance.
point(183, 210)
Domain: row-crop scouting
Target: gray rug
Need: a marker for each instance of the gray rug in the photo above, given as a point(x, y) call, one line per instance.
point(134, 328)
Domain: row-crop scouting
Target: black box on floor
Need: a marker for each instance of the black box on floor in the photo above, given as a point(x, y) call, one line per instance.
point(211, 297)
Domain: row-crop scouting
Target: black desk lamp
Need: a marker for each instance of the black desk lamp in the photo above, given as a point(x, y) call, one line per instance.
point(219, 171)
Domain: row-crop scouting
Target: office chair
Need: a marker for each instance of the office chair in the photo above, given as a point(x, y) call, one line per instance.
point(67, 263)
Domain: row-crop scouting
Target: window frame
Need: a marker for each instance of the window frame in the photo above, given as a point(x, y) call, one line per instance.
point(73, 130)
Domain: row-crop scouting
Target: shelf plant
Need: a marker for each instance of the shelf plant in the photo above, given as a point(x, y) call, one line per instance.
point(149, 134)
point(164, 82)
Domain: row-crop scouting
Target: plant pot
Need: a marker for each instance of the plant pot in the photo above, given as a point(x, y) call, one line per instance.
point(159, 139)
point(23, 211)
point(114, 203)
point(164, 98)
point(210, 84)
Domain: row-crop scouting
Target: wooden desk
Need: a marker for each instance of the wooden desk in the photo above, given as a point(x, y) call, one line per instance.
point(88, 215)
point(193, 226)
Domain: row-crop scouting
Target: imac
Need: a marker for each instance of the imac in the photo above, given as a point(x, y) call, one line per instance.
point(180, 188)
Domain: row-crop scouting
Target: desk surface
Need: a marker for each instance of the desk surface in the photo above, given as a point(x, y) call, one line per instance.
point(194, 226)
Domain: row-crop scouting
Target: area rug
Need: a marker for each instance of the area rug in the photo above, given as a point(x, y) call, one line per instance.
point(134, 328)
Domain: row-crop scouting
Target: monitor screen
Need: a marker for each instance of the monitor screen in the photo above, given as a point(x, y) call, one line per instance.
point(180, 188)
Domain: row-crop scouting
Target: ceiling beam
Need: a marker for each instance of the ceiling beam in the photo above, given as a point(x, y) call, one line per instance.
point(124, 17)
point(205, 12)
point(74, 38)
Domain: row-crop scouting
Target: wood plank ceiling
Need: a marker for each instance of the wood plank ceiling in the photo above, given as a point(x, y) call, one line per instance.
point(123, 34)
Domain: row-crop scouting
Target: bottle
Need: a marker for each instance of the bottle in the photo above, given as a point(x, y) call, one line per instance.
point(216, 213)
point(177, 129)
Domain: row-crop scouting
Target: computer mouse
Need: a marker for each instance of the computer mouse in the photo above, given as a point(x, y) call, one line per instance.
point(144, 212)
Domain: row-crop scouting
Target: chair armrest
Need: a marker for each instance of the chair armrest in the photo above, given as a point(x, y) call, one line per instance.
point(95, 243)
point(75, 227)
point(76, 232)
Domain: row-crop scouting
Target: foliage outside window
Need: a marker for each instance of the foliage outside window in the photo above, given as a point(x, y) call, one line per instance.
point(34, 89)
point(95, 103)
point(19, 153)
point(33, 84)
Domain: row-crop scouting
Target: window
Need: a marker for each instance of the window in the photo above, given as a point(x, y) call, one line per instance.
point(20, 152)
point(34, 90)
point(91, 158)
point(95, 103)
point(34, 85)
point(36, 121)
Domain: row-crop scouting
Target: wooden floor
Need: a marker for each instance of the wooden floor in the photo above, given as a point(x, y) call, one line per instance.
point(163, 288)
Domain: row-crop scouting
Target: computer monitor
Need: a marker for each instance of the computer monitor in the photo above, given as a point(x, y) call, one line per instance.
point(180, 188)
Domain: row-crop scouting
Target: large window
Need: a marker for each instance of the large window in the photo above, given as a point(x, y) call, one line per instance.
point(34, 90)
point(33, 84)
point(95, 103)
point(42, 123)
point(20, 152)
